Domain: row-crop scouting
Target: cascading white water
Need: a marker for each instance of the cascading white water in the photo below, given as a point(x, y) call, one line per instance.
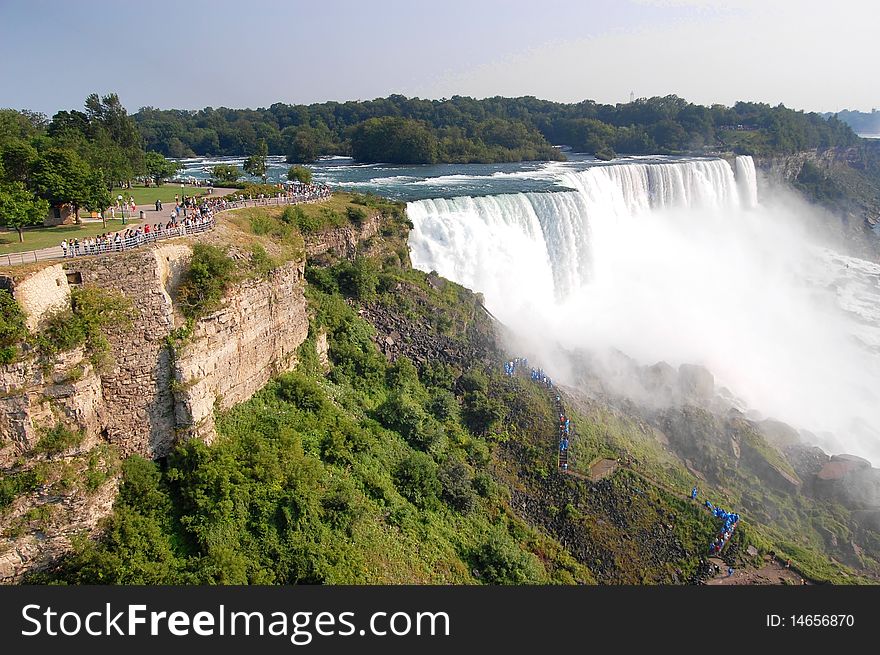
point(747, 179)
point(676, 262)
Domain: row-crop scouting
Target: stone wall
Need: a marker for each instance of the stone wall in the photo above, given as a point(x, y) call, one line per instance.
point(138, 402)
point(42, 292)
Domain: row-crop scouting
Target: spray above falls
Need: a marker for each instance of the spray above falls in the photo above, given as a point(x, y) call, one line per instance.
point(677, 262)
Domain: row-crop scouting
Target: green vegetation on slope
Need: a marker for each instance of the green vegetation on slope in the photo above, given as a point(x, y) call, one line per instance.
point(316, 480)
point(431, 468)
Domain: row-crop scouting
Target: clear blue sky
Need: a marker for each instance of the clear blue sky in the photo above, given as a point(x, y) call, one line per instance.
point(252, 53)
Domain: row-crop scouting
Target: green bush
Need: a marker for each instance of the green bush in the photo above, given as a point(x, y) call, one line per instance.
point(480, 412)
point(58, 439)
point(356, 215)
point(358, 279)
point(455, 481)
point(306, 223)
point(302, 391)
point(15, 484)
point(205, 283)
point(261, 262)
point(500, 561)
point(474, 380)
point(254, 190)
point(416, 479)
point(299, 174)
point(91, 311)
point(13, 330)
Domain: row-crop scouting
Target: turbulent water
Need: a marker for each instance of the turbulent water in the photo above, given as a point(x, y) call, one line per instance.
point(680, 262)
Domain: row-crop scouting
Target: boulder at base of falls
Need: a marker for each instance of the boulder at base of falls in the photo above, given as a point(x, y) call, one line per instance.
point(762, 459)
point(696, 384)
point(849, 480)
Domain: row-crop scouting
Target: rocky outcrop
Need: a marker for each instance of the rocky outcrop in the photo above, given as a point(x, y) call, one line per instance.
point(849, 480)
point(236, 350)
point(153, 391)
point(715, 444)
point(33, 398)
point(344, 241)
point(400, 335)
point(786, 168)
point(39, 528)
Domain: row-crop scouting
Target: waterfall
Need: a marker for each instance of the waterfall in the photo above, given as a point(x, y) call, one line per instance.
point(677, 262)
point(747, 180)
point(545, 240)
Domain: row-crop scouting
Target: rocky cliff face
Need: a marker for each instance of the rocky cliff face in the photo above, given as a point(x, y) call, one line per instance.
point(344, 241)
point(233, 352)
point(787, 167)
point(148, 396)
point(854, 174)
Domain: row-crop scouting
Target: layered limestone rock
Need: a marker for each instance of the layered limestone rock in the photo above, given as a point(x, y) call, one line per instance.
point(150, 393)
point(236, 350)
point(344, 241)
point(33, 399)
point(41, 293)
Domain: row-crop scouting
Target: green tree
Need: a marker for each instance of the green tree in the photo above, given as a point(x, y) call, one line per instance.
point(17, 158)
point(19, 208)
point(302, 148)
point(63, 178)
point(159, 168)
point(225, 174)
point(119, 152)
point(210, 274)
point(256, 164)
point(97, 197)
point(394, 140)
point(299, 174)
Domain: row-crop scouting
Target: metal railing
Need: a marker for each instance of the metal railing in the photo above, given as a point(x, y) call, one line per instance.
point(141, 238)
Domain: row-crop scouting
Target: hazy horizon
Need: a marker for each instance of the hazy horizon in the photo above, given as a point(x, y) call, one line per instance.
point(801, 54)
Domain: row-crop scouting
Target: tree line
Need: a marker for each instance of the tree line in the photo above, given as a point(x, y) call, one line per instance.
point(76, 159)
point(397, 129)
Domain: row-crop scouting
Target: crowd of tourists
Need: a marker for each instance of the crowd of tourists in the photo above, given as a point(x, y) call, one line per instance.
point(538, 375)
point(138, 236)
point(189, 216)
point(729, 521)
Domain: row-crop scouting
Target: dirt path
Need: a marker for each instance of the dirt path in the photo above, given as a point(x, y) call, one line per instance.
point(772, 573)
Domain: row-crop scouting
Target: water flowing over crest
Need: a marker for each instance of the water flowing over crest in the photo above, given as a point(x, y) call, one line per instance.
point(677, 262)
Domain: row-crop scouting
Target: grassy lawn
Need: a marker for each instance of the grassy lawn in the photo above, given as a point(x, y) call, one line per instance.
point(45, 237)
point(148, 196)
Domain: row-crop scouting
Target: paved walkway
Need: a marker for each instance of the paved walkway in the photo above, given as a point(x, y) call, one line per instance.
point(150, 216)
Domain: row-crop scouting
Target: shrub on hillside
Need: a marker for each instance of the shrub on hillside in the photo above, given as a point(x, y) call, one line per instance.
point(12, 327)
point(91, 311)
point(416, 479)
point(500, 561)
point(210, 274)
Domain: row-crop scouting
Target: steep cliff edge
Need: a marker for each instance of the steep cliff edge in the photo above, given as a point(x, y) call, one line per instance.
point(144, 399)
point(161, 381)
point(845, 181)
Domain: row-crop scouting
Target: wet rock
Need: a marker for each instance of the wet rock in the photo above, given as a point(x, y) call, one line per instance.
point(696, 384)
point(849, 480)
point(777, 433)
